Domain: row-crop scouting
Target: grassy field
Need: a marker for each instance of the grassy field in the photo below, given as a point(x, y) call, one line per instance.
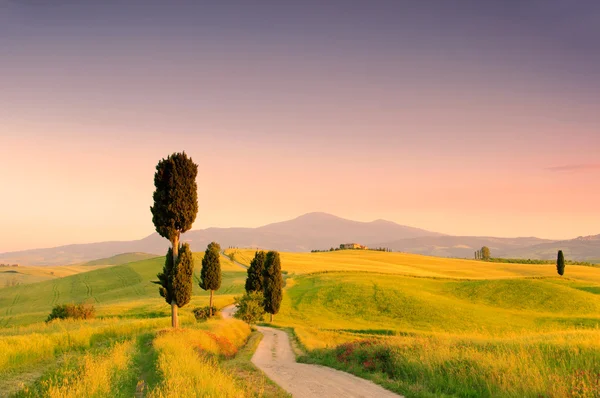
point(126, 290)
point(129, 349)
point(414, 265)
point(119, 358)
point(26, 274)
point(431, 327)
point(421, 326)
point(122, 259)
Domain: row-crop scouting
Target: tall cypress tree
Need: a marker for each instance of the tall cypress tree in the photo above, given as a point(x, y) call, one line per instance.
point(254, 281)
point(560, 263)
point(273, 283)
point(210, 275)
point(175, 207)
point(175, 280)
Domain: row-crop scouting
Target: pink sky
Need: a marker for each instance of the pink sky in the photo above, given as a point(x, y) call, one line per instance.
point(464, 130)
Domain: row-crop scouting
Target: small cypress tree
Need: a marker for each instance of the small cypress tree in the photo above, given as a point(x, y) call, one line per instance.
point(273, 283)
point(254, 281)
point(175, 205)
point(176, 280)
point(560, 263)
point(210, 275)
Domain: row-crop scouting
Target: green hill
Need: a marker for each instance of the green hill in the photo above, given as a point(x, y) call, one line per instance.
point(128, 286)
point(122, 259)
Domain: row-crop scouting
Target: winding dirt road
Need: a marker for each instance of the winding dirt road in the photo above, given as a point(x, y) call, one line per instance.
point(274, 356)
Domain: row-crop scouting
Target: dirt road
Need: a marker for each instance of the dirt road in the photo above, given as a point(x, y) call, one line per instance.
point(274, 356)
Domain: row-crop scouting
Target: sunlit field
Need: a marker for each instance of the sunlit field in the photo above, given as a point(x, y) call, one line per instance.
point(413, 264)
point(421, 326)
point(470, 329)
point(26, 274)
point(127, 287)
point(121, 357)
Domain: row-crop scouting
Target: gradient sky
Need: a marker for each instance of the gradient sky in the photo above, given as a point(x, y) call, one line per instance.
point(470, 118)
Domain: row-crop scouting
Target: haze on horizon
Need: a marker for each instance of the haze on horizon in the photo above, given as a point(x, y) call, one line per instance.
point(478, 119)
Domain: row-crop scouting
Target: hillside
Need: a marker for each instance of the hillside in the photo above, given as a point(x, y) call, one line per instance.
point(320, 231)
point(307, 232)
point(23, 275)
point(360, 311)
point(127, 285)
point(463, 246)
point(122, 259)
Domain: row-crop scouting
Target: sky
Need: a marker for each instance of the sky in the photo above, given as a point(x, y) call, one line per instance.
point(467, 118)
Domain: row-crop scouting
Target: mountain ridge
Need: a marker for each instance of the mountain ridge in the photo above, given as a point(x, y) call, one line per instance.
point(318, 230)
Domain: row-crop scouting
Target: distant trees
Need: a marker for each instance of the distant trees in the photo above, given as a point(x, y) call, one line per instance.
point(173, 213)
point(254, 281)
point(273, 283)
point(483, 254)
point(560, 263)
point(210, 275)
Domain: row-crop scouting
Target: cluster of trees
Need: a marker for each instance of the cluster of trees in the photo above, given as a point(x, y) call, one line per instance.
point(173, 213)
point(264, 288)
point(483, 254)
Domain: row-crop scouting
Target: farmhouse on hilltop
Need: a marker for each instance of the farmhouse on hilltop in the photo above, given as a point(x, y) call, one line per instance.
point(353, 246)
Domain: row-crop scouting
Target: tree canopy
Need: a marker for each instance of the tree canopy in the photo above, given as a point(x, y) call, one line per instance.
point(176, 196)
point(175, 281)
point(485, 253)
point(273, 283)
point(254, 281)
point(560, 263)
point(210, 275)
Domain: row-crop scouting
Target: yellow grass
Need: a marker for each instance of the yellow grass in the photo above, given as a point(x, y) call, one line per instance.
point(27, 274)
point(415, 265)
point(97, 376)
point(26, 346)
point(187, 372)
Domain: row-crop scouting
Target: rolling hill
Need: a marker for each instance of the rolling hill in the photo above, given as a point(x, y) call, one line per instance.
point(321, 231)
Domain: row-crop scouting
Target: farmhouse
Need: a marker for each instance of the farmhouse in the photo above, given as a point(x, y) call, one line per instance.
point(353, 246)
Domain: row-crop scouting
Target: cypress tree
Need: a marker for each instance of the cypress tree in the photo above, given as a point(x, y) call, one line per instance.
point(210, 275)
point(254, 281)
point(175, 280)
point(273, 283)
point(174, 211)
point(485, 253)
point(560, 263)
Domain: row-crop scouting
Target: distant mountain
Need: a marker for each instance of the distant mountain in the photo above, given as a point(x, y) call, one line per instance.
point(461, 246)
point(321, 231)
point(583, 248)
point(307, 232)
point(579, 249)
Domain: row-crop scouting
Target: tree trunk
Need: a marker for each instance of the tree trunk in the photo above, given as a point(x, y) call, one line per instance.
point(210, 302)
point(174, 318)
point(271, 318)
point(175, 246)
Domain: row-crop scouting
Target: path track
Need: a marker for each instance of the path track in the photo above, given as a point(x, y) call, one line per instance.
point(233, 261)
point(274, 356)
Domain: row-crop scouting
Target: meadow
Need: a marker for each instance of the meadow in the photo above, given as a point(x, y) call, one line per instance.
point(129, 349)
point(118, 291)
point(26, 274)
point(429, 327)
point(421, 326)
